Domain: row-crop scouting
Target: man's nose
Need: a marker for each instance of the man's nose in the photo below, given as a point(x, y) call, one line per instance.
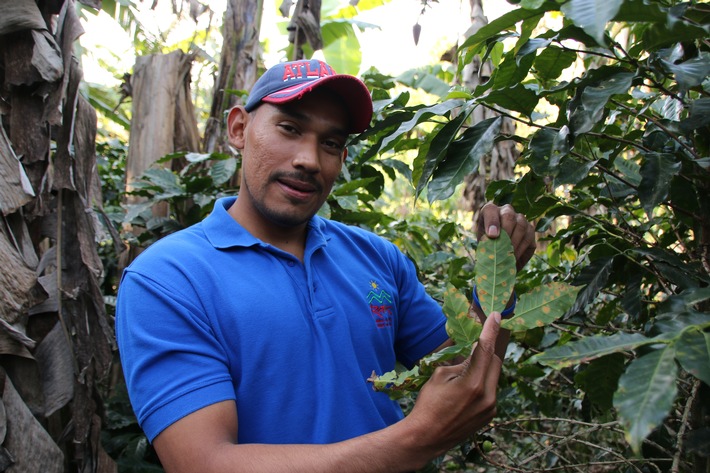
point(307, 155)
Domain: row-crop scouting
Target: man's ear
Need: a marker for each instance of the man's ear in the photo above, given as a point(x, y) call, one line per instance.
point(236, 124)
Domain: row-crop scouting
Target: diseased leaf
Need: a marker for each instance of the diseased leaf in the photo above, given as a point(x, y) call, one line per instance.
point(590, 348)
point(693, 354)
point(428, 363)
point(461, 328)
point(541, 306)
point(646, 393)
point(396, 384)
point(495, 272)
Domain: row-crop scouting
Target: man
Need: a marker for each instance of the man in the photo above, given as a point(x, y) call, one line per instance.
point(248, 338)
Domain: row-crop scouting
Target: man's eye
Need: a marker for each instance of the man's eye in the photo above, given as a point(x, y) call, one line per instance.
point(288, 128)
point(333, 144)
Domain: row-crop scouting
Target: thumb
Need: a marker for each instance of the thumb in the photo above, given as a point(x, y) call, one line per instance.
point(484, 350)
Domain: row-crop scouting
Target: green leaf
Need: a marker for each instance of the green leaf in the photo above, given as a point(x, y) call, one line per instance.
point(693, 353)
point(662, 34)
point(429, 362)
point(512, 70)
point(590, 348)
point(541, 306)
point(588, 110)
point(698, 115)
point(505, 22)
point(396, 384)
point(601, 379)
point(438, 147)
point(164, 179)
point(641, 10)
point(461, 328)
point(691, 72)
point(422, 78)
point(571, 171)
point(463, 157)
point(421, 115)
point(550, 63)
point(495, 272)
point(223, 170)
point(531, 46)
point(341, 46)
point(657, 171)
point(595, 276)
point(646, 393)
point(518, 98)
point(592, 15)
point(540, 148)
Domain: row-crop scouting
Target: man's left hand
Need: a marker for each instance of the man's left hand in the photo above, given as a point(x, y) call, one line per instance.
point(492, 218)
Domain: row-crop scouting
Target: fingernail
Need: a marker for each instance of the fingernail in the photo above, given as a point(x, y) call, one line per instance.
point(492, 230)
point(496, 317)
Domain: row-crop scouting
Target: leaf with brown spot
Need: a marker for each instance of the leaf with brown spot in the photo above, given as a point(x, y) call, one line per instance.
point(542, 306)
point(495, 272)
point(462, 329)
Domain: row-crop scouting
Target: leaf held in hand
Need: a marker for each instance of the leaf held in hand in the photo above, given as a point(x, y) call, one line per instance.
point(495, 272)
point(542, 306)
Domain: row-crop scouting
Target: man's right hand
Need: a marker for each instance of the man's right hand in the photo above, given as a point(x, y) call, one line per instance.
point(460, 399)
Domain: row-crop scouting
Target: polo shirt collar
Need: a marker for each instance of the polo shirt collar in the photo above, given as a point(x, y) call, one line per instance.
point(223, 231)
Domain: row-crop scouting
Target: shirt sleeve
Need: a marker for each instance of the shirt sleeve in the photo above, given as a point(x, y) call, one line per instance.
point(161, 331)
point(422, 323)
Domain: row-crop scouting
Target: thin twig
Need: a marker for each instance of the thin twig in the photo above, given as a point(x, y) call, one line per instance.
point(660, 125)
point(683, 426)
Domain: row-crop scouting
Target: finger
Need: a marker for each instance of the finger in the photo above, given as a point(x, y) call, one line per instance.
point(528, 247)
point(480, 361)
point(509, 219)
point(518, 234)
point(488, 221)
point(523, 239)
point(493, 374)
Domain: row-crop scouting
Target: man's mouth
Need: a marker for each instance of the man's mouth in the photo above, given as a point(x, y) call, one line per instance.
point(298, 187)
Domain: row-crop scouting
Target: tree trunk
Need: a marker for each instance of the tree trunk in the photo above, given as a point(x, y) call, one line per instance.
point(163, 119)
point(304, 28)
point(237, 66)
point(55, 336)
point(501, 162)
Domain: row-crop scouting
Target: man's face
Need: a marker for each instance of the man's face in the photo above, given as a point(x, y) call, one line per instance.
point(291, 156)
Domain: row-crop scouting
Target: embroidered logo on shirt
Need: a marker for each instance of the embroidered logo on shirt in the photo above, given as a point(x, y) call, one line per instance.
point(380, 305)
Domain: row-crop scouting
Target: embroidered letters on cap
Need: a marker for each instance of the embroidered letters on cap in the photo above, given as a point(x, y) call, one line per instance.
point(302, 69)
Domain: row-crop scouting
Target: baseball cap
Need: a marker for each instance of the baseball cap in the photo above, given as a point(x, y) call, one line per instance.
point(288, 81)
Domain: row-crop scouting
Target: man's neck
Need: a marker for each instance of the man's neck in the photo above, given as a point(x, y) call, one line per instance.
point(289, 239)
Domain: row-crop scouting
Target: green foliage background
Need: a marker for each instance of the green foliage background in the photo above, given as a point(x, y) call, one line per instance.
point(613, 114)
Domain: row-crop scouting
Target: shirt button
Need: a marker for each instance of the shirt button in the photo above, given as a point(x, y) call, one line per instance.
point(291, 263)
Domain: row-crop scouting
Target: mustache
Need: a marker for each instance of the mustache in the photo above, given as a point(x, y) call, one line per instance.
point(297, 176)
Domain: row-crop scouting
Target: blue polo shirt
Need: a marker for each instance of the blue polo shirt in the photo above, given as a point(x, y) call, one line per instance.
point(211, 313)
